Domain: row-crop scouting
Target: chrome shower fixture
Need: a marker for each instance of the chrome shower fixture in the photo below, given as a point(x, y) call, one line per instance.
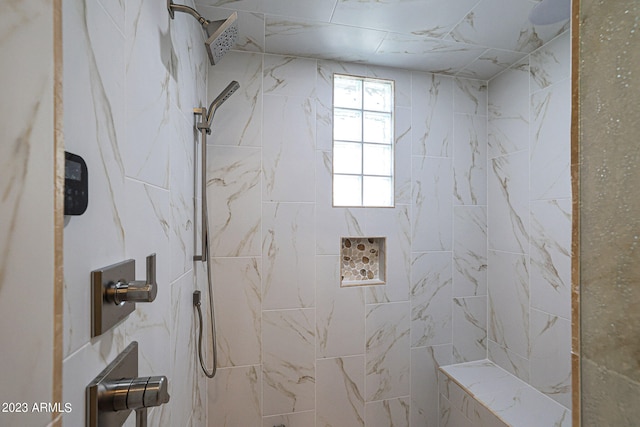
point(207, 115)
point(221, 35)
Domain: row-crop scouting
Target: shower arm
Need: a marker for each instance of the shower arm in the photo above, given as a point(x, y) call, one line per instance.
point(186, 9)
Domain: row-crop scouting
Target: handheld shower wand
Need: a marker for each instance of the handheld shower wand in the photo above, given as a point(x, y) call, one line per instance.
point(204, 126)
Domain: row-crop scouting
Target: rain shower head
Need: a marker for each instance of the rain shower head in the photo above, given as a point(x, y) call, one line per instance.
point(221, 35)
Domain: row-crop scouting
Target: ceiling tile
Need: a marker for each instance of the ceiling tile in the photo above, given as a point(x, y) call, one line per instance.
point(320, 40)
point(420, 17)
point(317, 10)
point(504, 24)
point(490, 63)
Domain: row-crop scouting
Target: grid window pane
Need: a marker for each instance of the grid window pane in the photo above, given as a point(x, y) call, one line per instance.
point(347, 190)
point(377, 191)
point(363, 142)
point(377, 127)
point(377, 96)
point(377, 159)
point(347, 157)
point(347, 92)
point(347, 125)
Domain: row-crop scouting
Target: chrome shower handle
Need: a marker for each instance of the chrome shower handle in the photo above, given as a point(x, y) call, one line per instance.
point(135, 290)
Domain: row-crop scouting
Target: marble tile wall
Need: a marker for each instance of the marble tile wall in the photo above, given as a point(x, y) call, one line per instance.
point(132, 77)
point(529, 220)
point(296, 348)
point(29, 217)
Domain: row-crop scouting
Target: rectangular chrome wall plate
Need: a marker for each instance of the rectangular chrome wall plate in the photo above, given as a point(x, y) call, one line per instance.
point(123, 366)
point(106, 314)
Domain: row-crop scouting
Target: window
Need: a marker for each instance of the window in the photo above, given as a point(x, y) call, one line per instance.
point(362, 142)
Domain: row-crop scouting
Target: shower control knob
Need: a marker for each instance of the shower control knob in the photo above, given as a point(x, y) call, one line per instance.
point(134, 393)
point(135, 290)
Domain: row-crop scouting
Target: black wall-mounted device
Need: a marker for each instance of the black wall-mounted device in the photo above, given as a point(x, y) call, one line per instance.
point(76, 184)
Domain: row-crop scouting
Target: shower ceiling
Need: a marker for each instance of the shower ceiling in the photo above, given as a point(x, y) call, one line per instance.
point(469, 38)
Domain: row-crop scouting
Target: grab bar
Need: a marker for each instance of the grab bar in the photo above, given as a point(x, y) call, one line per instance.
point(203, 127)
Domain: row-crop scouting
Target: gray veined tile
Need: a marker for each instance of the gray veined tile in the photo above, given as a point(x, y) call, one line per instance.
point(550, 64)
point(390, 412)
point(470, 159)
point(470, 251)
point(235, 397)
point(289, 76)
point(320, 40)
point(425, 362)
point(387, 351)
point(419, 53)
point(469, 328)
point(431, 293)
point(288, 369)
point(432, 115)
point(508, 314)
point(424, 18)
point(517, 34)
point(470, 96)
point(340, 388)
point(490, 63)
point(551, 256)
point(509, 201)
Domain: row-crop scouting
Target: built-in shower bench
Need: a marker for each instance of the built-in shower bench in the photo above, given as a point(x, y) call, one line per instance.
point(481, 394)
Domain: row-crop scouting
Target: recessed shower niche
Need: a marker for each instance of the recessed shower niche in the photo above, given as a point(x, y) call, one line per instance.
point(362, 261)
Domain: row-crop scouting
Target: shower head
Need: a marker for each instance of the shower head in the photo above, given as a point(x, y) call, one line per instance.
point(224, 95)
point(221, 35)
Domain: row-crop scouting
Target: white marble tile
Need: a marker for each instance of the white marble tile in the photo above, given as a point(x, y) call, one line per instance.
point(551, 256)
point(297, 419)
point(469, 328)
point(340, 312)
point(234, 191)
point(288, 255)
point(181, 187)
point(451, 416)
point(509, 111)
point(288, 149)
point(391, 412)
point(509, 301)
point(509, 361)
point(183, 350)
point(235, 397)
point(239, 120)
point(340, 392)
point(289, 76)
point(414, 52)
point(432, 115)
point(470, 159)
point(470, 96)
point(527, 408)
point(149, 93)
point(387, 351)
point(93, 132)
point(509, 203)
point(432, 211)
point(479, 27)
point(425, 18)
point(551, 356)
point(490, 63)
point(313, 39)
point(402, 156)
point(551, 63)
point(288, 370)
point(550, 137)
point(237, 291)
point(459, 398)
point(470, 251)
point(482, 377)
point(425, 362)
point(431, 293)
point(332, 223)
point(395, 225)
